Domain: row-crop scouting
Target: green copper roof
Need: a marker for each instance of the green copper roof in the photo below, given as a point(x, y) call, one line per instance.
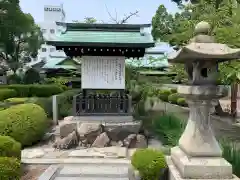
point(74, 34)
point(54, 63)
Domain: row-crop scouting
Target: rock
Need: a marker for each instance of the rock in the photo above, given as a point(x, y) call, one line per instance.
point(113, 143)
point(119, 131)
point(101, 141)
point(141, 141)
point(32, 153)
point(67, 142)
point(89, 132)
point(66, 127)
point(130, 141)
point(68, 118)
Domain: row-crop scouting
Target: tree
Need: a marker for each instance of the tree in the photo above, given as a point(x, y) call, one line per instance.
point(88, 20)
point(20, 36)
point(178, 29)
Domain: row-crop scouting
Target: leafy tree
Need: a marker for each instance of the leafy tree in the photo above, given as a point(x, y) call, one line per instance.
point(178, 29)
point(20, 37)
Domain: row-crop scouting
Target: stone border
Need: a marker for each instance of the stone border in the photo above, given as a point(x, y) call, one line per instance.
point(133, 174)
point(75, 161)
point(50, 173)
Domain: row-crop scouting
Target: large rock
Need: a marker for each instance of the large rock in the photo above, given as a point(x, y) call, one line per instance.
point(88, 132)
point(66, 127)
point(119, 131)
point(66, 143)
point(101, 141)
point(141, 141)
point(130, 141)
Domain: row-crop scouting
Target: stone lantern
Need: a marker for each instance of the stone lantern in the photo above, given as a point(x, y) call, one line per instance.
point(198, 154)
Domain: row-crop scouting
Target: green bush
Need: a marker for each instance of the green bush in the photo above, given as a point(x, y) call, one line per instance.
point(173, 90)
point(149, 163)
point(17, 100)
point(26, 123)
point(10, 168)
point(42, 90)
point(168, 129)
point(9, 147)
point(182, 102)
point(163, 94)
point(7, 93)
point(65, 102)
point(172, 98)
point(232, 154)
point(46, 104)
point(37, 90)
point(31, 76)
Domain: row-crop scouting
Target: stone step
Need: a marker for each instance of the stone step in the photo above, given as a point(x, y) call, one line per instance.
point(89, 178)
point(94, 170)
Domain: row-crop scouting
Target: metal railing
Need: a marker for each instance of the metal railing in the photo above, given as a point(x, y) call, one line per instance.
point(102, 105)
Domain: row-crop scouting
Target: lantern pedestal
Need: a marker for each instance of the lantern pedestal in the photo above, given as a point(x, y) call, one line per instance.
point(198, 154)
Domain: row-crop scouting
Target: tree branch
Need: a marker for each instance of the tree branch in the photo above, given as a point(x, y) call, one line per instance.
point(124, 20)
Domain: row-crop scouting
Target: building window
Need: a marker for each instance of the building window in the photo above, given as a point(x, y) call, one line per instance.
point(44, 30)
point(52, 31)
point(44, 50)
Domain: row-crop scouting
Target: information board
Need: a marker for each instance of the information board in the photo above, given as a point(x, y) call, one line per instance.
point(103, 72)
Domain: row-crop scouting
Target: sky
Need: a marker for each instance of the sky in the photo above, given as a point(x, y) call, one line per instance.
point(79, 9)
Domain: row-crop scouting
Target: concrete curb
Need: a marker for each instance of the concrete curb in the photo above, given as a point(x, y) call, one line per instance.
point(133, 174)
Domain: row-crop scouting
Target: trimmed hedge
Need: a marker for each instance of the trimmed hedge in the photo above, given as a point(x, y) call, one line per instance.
point(149, 162)
point(10, 168)
point(182, 102)
point(172, 98)
point(34, 90)
point(7, 93)
point(163, 94)
point(9, 147)
point(26, 123)
point(14, 101)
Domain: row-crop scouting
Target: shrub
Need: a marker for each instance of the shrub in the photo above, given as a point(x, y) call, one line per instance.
point(163, 94)
point(172, 98)
point(38, 90)
point(31, 76)
point(10, 168)
point(26, 123)
point(173, 90)
point(168, 129)
point(17, 100)
point(9, 147)
point(45, 90)
point(65, 102)
point(7, 93)
point(149, 163)
point(46, 104)
point(14, 79)
point(232, 154)
point(182, 102)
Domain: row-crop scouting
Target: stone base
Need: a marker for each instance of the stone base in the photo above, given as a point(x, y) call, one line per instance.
point(104, 119)
point(200, 167)
point(175, 175)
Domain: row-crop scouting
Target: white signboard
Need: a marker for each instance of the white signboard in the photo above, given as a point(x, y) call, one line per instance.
point(103, 72)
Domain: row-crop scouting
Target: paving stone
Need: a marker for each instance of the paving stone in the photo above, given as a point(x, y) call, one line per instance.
point(118, 152)
point(86, 153)
point(32, 153)
point(96, 170)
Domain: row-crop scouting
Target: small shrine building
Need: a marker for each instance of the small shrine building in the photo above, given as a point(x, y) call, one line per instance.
point(103, 49)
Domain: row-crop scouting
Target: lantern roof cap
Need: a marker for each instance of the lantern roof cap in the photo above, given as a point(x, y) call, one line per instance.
point(202, 47)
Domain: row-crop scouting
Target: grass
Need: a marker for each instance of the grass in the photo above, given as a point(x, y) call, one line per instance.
point(168, 129)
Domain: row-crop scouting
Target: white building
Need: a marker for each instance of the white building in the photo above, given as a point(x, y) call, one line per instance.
point(52, 14)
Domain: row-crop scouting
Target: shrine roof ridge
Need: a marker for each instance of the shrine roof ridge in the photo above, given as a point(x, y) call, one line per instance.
point(98, 26)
